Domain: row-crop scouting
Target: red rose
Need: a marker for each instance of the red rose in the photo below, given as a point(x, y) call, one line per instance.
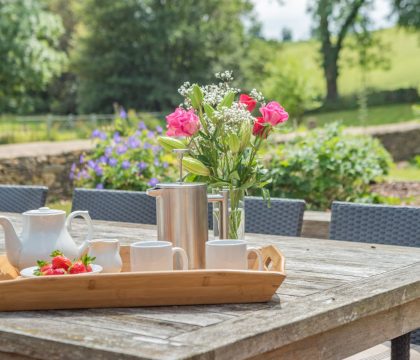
point(261, 128)
point(248, 101)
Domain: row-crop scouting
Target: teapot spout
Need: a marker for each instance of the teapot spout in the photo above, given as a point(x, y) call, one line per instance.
point(12, 241)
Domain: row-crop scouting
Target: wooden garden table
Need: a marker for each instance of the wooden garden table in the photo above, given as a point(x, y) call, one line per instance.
point(339, 298)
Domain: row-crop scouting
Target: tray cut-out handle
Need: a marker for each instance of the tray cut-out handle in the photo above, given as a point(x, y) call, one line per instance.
point(273, 259)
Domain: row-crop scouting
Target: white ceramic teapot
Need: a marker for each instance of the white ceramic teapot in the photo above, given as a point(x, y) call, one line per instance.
point(44, 230)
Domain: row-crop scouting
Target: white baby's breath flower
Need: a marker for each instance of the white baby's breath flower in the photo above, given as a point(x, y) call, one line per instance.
point(232, 118)
point(226, 75)
point(257, 95)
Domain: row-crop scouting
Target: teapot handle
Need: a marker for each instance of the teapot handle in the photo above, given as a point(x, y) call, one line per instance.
point(86, 217)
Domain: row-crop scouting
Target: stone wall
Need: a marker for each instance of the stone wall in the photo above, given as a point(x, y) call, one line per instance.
point(42, 163)
point(52, 171)
point(401, 140)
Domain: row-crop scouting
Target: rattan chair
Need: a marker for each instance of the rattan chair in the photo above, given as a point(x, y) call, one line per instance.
point(116, 205)
point(19, 198)
point(281, 217)
point(380, 224)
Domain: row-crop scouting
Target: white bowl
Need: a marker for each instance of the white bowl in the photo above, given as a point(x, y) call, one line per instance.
point(29, 272)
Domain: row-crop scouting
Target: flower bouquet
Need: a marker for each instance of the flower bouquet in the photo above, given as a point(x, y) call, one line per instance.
point(223, 134)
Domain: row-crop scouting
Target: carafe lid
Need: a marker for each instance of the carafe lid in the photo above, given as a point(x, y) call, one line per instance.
point(177, 185)
point(44, 211)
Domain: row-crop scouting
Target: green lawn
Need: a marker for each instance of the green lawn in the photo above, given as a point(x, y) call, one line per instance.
point(408, 173)
point(376, 115)
point(404, 55)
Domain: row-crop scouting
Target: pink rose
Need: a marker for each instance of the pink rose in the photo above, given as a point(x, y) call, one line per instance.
point(182, 123)
point(274, 113)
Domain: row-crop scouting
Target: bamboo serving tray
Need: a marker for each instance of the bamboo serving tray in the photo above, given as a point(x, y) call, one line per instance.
point(133, 289)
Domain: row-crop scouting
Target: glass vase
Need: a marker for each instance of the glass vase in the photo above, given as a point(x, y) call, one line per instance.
point(236, 215)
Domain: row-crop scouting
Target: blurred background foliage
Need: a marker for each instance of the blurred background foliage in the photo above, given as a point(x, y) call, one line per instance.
point(74, 56)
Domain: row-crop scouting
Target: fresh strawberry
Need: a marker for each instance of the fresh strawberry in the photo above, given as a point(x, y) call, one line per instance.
point(59, 261)
point(82, 266)
point(43, 267)
point(77, 268)
point(59, 272)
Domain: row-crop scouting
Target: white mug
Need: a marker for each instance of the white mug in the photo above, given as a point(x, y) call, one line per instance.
point(230, 254)
point(155, 256)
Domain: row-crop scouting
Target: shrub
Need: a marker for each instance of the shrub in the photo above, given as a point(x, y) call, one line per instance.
point(326, 165)
point(126, 157)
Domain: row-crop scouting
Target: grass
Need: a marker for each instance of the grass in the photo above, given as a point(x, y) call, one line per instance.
point(60, 205)
point(406, 173)
point(403, 53)
point(376, 115)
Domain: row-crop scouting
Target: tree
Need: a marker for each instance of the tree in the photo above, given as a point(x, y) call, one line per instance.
point(290, 82)
point(138, 52)
point(62, 91)
point(29, 53)
point(408, 12)
point(334, 18)
point(286, 34)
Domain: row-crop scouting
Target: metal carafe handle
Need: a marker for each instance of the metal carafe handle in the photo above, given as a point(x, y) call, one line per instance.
point(223, 199)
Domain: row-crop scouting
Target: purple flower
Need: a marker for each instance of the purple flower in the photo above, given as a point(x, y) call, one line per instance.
point(142, 165)
point(108, 151)
point(103, 159)
point(147, 146)
point(142, 126)
point(159, 129)
point(133, 142)
point(83, 174)
point(123, 113)
point(125, 164)
point(72, 171)
point(156, 162)
point(95, 133)
point(99, 171)
point(116, 137)
point(98, 134)
point(91, 164)
point(153, 182)
point(82, 159)
point(155, 148)
point(113, 162)
point(122, 149)
point(165, 164)
point(150, 134)
point(100, 186)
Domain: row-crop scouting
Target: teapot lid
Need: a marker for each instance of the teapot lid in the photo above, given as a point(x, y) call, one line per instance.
point(44, 211)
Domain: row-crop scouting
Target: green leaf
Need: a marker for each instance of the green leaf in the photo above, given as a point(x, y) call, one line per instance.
point(170, 143)
point(233, 142)
point(227, 100)
point(196, 97)
point(208, 109)
point(195, 166)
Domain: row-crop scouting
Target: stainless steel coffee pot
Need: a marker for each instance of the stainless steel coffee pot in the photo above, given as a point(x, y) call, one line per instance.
point(182, 216)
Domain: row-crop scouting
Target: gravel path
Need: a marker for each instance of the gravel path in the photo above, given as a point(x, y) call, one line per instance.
point(43, 148)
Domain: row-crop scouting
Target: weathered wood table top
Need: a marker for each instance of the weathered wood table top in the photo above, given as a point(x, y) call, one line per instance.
point(338, 298)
